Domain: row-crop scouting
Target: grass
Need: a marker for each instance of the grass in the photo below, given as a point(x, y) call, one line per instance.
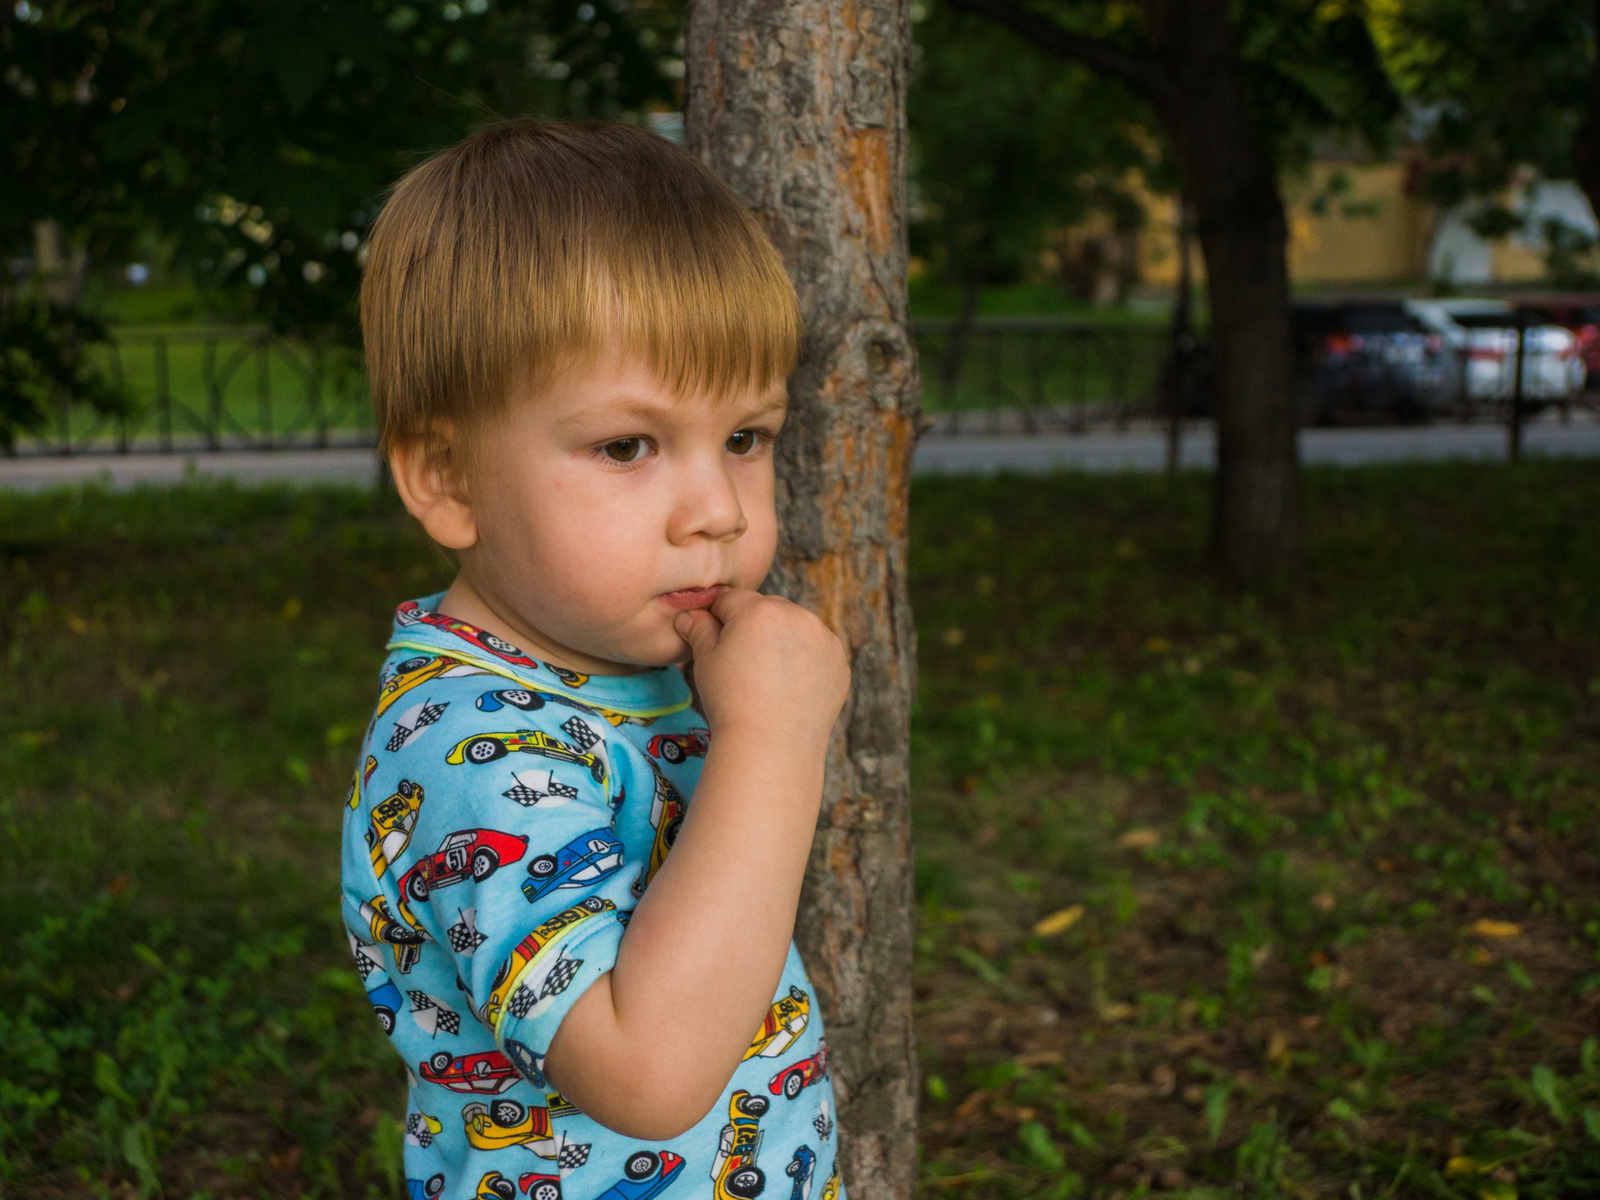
point(1291, 893)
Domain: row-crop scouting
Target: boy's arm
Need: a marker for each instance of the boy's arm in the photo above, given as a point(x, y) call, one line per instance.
point(649, 1046)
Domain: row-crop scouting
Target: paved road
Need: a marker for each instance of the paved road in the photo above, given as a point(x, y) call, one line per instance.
point(1139, 449)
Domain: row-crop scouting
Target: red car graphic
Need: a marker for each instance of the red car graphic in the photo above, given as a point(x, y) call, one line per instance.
point(540, 1187)
point(410, 613)
point(466, 853)
point(675, 747)
point(797, 1075)
point(488, 1073)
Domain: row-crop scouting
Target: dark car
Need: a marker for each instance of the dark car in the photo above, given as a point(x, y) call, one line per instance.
point(1362, 358)
point(1578, 313)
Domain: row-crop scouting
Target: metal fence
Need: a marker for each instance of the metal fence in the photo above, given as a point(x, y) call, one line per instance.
point(238, 388)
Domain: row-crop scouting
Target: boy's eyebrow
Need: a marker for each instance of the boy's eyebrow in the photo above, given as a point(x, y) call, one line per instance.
point(643, 410)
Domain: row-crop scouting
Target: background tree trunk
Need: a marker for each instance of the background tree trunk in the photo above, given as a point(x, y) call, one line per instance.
point(1586, 141)
point(800, 106)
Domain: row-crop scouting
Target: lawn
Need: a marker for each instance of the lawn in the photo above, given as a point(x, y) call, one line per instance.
point(1285, 893)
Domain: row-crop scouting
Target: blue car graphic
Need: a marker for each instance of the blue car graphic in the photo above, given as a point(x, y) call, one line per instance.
point(587, 858)
point(424, 1189)
point(801, 1167)
point(386, 1001)
point(646, 1175)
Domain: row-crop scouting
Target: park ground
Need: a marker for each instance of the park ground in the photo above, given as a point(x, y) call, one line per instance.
point(1292, 892)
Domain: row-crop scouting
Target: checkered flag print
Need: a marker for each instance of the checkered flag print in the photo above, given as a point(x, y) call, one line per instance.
point(533, 786)
point(413, 723)
point(523, 999)
point(580, 731)
point(464, 936)
point(417, 1130)
point(560, 976)
point(367, 959)
point(433, 1015)
point(570, 1157)
point(823, 1124)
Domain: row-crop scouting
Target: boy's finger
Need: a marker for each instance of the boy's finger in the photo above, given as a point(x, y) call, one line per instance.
point(730, 603)
point(699, 628)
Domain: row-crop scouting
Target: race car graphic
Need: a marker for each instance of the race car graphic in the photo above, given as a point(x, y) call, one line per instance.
point(400, 936)
point(734, 1169)
point(571, 678)
point(425, 1189)
point(421, 1129)
point(540, 1187)
point(645, 1175)
point(494, 1186)
point(487, 1073)
point(411, 613)
point(389, 828)
point(385, 1000)
point(667, 807)
point(353, 801)
point(529, 1064)
point(487, 747)
point(530, 700)
point(368, 768)
point(587, 858)
point(830, 1190)
point(501, 1123)
point(472, 854)
point(798, 1075)
point(517, 983)
point(414, 672)
point(785, 1022)
point(675, 747)
point(801, 1167)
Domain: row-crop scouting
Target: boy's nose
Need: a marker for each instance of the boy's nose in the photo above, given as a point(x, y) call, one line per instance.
point(708, 506)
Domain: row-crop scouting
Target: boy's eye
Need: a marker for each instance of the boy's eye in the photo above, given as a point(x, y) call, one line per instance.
point(744, 442)
point(624, 449)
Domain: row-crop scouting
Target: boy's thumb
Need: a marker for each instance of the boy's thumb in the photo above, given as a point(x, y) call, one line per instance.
point(699, 628)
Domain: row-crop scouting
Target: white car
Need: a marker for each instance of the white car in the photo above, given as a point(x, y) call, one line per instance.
point(1483, 334)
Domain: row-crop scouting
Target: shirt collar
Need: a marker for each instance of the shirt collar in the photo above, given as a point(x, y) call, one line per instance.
point(418, 625)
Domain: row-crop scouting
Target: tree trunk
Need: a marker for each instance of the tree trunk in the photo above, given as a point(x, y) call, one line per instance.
point(1586, 141)
point(800, 106)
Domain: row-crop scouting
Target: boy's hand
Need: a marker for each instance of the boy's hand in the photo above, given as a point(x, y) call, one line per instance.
point(765, 661)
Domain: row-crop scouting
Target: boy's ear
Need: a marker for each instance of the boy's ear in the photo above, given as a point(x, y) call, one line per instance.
point(427, 476)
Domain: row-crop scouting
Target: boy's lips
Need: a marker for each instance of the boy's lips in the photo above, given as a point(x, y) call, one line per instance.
point(696, 597)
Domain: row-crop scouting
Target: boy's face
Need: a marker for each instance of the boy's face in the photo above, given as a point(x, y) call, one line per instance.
point(607, 505)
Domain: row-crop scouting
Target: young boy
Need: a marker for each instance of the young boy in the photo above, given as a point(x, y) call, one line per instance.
point(571, 898)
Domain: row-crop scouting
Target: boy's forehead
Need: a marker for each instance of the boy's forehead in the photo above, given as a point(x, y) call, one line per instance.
point(632, 388)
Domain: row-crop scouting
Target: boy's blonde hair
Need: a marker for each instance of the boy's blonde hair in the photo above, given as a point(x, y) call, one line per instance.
point(529, 246)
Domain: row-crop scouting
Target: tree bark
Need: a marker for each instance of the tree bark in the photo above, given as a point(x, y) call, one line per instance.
point(1193, 76)
point(800, 106)
point(1586, 141)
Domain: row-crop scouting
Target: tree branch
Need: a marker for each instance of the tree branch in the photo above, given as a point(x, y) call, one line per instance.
point(1139, 72)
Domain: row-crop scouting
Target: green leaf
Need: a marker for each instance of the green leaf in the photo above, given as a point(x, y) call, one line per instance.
point(1591, 1123)
point(139, 1150)
point(108, 1078)
point(1040, 1147)
point(1518, 975)
point(1547, 1087)
point(1215, 1109)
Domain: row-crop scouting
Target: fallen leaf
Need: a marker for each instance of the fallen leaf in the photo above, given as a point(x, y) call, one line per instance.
point(1481, 956)
point(1164, 1079)
point(1485, 927)
point(1323, 902)
point(971, 1104)
point(1278, 1048)
point(1318, 959)
point(1117, 1012)
point(1139, 839)
point(1310, 1021)
point(954, 637)
point(1039, 1058)
point(1059, 922)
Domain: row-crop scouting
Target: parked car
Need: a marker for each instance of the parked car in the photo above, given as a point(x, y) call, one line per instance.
point(1356, 358)
point(1483, 336)
point(1579, 314)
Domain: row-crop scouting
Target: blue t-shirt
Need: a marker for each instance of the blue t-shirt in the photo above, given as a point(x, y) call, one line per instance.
point(505, 818)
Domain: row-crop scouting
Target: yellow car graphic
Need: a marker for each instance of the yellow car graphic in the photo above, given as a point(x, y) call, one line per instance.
point(734, 1169)
point(531, 951)
point(403, 936)
point(504, 1123)
point(830, 1190)
point(667, 807)
point(389, 830)
point(486, 747)
point(414, 672)
point(786, 1021)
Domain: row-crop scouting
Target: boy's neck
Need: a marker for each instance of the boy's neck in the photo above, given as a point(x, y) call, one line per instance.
point(466, 603)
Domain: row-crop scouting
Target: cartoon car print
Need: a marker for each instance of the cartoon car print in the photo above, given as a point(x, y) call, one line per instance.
point(830, 1190)
point(494, 1186)
point(586, 859)
point(801, 1167)
point(400, 936)
point(530, 1065)
point(734, 1169)
point(414, 672)
point(570, 678)
point(487, 747)
point(386, 1001)
point(667, 807)
point(389, 829)
point(485, 1073)
point(411, 613)
point(521, 969)
point(466, 853)
point(425, 1189)
point(798, 1075)
point(645, 1175)
point(526, 699)
point(540, 1187)
point(502, 1123)
point(786, 1020)
point(675, 747)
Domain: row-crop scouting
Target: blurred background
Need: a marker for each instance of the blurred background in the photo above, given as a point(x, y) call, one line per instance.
point(1282, 890)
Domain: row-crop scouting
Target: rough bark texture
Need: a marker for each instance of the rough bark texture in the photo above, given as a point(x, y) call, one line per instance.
point(1586, 141)
point(800, 106)
point(1194, 78)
